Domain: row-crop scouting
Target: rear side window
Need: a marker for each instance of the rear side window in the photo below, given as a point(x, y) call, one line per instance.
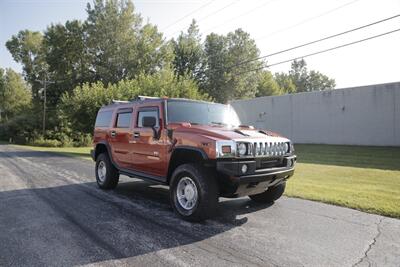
point(153, 112)
point(103, 119)
point(124, 120)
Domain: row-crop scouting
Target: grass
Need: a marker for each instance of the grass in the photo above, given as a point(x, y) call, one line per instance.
point(82, 152)
point(363, 178)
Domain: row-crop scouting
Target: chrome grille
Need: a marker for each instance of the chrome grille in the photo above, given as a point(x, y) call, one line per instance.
point(269, 149)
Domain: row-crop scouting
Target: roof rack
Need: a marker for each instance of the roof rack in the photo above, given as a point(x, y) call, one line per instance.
point(119, 101)
point(142, 98)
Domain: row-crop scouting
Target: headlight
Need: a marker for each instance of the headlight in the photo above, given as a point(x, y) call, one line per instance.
point(286, 147)
point(242, 149)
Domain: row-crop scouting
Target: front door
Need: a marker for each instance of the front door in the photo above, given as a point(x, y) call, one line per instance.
point(150, 151)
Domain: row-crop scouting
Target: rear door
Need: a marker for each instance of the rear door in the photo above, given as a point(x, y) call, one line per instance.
point(120, 135)
point(149, 152)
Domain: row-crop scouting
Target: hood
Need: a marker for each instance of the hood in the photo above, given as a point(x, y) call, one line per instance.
point(226, 133)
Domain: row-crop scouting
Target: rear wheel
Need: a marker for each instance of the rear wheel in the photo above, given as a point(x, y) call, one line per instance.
point(194, 192)
point(270, 195)
point(107, 175)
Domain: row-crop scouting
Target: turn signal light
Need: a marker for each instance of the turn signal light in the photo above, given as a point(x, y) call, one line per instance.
point(226, 149)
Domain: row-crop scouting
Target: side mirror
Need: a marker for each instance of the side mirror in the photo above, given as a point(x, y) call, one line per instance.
point(150, 122)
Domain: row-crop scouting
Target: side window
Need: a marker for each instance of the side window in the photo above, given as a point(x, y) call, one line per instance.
point(153, 112)
point(103, 119)
point(124, 120)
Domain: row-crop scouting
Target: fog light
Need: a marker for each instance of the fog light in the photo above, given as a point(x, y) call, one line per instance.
point(244, 168)
point(290, 162)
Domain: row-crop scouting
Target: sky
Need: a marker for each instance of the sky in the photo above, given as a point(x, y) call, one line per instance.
point(274, 24)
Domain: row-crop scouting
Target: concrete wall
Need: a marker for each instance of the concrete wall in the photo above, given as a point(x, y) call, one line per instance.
point(367, 115)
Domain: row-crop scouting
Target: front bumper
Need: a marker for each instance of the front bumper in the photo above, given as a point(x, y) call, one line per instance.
point(256, 179)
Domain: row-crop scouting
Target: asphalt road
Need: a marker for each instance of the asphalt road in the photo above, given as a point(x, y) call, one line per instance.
point(52, 213)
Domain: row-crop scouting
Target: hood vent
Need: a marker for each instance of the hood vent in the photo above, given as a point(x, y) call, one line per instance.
point(240, 132)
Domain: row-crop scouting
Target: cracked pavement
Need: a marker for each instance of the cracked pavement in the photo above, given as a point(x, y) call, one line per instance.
point(53, 214)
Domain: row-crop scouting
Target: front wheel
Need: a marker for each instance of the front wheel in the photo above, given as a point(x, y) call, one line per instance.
point(194, 192)
point(270, 195)
point(107, 175)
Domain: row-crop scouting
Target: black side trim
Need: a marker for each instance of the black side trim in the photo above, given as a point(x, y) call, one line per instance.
point(142, 175)
point(132, 173)
point(201, 151)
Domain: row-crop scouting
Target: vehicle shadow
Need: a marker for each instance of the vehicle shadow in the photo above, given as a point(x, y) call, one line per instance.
point(81, 224)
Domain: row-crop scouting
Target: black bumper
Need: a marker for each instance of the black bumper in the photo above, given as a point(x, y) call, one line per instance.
point(233, 169)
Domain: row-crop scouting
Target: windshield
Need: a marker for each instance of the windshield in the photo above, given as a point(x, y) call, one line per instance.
point(202, 113)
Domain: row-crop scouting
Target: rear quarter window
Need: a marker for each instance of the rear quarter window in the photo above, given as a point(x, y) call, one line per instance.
point(124, 120)
point(103, 118)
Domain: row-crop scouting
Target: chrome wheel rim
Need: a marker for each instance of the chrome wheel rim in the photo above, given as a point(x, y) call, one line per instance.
point(101, 171)
point(186, 193)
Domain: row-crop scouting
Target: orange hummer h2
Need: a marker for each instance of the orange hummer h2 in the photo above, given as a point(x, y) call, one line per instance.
point(200, 149)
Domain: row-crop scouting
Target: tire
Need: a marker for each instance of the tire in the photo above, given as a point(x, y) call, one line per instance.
point(109, 179)
point(199, 187)
point(270, 195)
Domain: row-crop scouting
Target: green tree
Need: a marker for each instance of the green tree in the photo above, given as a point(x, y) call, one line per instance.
point(119, 46)
point(285, 83)
point(306, 81)
point(267, 85)
point(229, 65)
point(27, 48)
point(15, 95)
point(215, 62)
point(318, 81)
point(67, 57)
point(188, 52)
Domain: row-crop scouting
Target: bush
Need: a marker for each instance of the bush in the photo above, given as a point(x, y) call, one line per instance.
point(83, 140)
point(40, 141)
point(20, 129)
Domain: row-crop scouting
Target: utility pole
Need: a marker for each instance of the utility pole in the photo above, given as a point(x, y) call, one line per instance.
point(44, 82)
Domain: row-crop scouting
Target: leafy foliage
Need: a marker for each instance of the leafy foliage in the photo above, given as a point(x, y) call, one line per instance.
point(267, 85)
point(226, 77)
point(306, 81)
point(188, 52)
point(78, 109)
point(15, 94)
point(113, 54)
point(26, 48)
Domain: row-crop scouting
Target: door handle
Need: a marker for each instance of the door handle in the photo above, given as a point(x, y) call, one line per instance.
point(136, 134)
point(113, 133)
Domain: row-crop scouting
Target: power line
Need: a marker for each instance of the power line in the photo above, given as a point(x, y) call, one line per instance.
point(322, 51)
point(307, 20)
point(187, 15)
point(213, 13)
point(316, 41)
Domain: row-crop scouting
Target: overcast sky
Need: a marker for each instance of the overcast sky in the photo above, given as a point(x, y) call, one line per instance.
point(274, 24)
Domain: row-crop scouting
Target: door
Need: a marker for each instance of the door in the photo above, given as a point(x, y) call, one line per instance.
point(150, 150)
point(120, 137)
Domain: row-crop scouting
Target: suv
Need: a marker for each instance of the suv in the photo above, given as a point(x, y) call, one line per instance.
point(200, 149)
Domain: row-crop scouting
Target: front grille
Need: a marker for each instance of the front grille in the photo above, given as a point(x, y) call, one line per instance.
point(269, 149)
